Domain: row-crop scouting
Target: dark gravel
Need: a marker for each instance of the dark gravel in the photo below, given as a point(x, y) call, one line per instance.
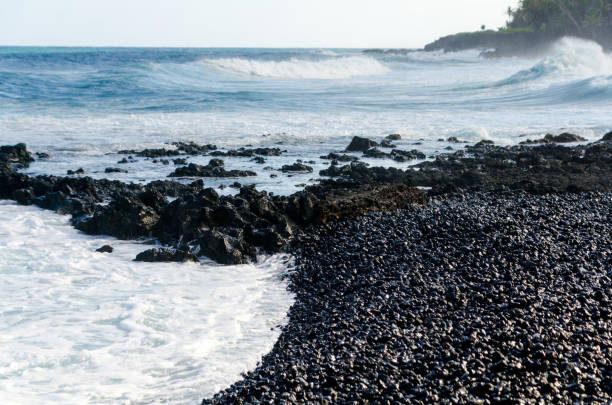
point(481, 298)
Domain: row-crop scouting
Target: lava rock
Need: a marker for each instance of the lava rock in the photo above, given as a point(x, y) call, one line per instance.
point(16, 154)
point(561, 138)
point(244, 152)
point(24, 196)
point(166, 255)
point(340, 157)
point(225, 249)
point(105, 249)
point(213, 169)
point(77, 171)
point(393, 137)
point(296, 168)
point(359, 144)
point(114, 170)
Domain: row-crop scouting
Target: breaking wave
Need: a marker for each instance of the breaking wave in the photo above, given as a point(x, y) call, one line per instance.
point(294, 68)
point(571, 58)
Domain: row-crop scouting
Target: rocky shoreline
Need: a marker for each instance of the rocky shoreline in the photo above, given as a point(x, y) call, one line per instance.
point(473, 298)
point(492, 285)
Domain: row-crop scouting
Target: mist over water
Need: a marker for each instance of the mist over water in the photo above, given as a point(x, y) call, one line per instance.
point(161, 331)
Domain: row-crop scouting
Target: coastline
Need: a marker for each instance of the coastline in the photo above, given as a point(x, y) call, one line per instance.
point(472, 298)
point(377, 273)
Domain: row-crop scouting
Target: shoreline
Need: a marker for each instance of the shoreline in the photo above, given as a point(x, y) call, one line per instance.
point(364, 218)
point(471, 298)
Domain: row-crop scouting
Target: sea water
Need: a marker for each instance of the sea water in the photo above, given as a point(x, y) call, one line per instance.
point(79, 326)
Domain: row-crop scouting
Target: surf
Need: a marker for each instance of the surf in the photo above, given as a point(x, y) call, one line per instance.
point(295, 68)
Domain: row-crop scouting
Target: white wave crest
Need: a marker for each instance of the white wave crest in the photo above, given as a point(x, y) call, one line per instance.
point(572, 58)
point(586, 58)
point(338, 68)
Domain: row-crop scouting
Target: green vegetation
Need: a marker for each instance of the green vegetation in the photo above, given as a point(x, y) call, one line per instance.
point(561, 16)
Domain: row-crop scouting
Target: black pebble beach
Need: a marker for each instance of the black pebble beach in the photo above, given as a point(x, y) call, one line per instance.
point(474, 298)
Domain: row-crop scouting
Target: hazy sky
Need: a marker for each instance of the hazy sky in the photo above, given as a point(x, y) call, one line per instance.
point(255, 23)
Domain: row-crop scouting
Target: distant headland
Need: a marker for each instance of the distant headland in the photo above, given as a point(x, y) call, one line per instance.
point(533, 26)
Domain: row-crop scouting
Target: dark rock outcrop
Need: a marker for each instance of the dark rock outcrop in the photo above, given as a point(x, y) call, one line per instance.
point(565, 137)
point(125, 217)
point(340, 157)
point(105, 249)
point(16, 155)
point(359, 144)
point(607, 137)
point(245, 152)
point(296, 168)
point(226, 249)
point(231, 229)
point(213, 169)
point(24, 196)
point(166, 255)
point(113, 170)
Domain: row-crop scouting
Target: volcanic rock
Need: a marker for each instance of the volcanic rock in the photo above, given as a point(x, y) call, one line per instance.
point(16, 154)
point(296, 167)
point(359, 144)
point(213, 169)
point(166, 255)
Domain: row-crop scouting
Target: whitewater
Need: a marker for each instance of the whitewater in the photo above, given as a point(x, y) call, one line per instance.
point(80, 327)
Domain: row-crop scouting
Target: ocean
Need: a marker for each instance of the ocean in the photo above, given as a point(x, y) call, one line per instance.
point(82, 327)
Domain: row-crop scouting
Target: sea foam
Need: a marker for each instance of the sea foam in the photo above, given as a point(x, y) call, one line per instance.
point(85, 327)
point(294, 68)
point(569, 59)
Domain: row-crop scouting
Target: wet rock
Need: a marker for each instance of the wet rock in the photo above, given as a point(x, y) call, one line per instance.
point(244, 152)
point(359, 144)
point(375, 153)
point(166, 255)
point(296, 168)
point(213, 169)
point(77, 171)
point(393, 137)
point(225, 249)
point(151, 153)
point(121, 162)
point(192, 148)
point(269, 239)
point(259, 160)
point(607, 137)
point(42, 155)
point(105, 249)
point(165, 162)
point(114, 170)
point(179, 161)
point(561, 138)
point(16, 154)
point(340, 157)
point(405, 156)
point(24, 196)
point(125, 217)
point(387, 144)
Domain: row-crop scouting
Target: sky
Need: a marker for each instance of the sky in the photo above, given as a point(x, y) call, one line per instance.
point(243, 23)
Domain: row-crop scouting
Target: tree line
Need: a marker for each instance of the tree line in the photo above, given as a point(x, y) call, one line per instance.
point(561, 16)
